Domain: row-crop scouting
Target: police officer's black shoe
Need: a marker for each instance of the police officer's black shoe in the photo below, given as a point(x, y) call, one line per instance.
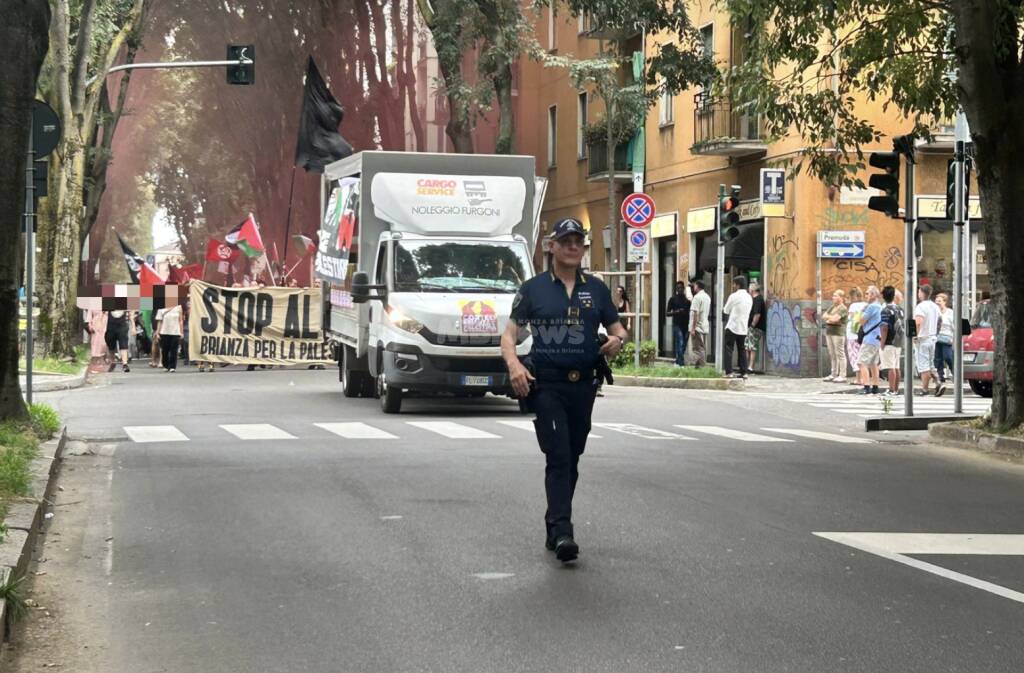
point(549, 543)
point(566, 549)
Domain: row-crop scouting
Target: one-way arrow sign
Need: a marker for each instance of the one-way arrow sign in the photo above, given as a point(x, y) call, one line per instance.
point(853, 250)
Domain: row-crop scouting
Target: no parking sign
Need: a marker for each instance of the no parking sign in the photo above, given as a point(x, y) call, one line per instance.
point(637, 210)
point(638, 247)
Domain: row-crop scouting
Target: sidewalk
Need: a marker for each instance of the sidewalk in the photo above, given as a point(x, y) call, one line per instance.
point(44, 383)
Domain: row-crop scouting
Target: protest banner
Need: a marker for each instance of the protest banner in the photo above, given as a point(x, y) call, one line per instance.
point(268, 326)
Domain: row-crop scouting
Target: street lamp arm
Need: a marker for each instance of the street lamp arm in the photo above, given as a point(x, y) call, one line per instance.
point(174, 64)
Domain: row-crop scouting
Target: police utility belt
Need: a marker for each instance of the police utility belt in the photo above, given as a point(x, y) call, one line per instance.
point(547, 375)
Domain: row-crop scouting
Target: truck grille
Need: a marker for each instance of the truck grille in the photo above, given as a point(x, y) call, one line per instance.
point(466, 340)
point(473, 365)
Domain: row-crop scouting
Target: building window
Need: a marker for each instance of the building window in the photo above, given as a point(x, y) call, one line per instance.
point(581, 123)
point(552, 132)
point(707, 41)
point(552, 29)
point(666, 114)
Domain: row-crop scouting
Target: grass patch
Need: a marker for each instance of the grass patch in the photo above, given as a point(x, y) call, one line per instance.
point(19, 446)
point(52, 365)
point(983, 423)
point(670, 372)
point(11, 592)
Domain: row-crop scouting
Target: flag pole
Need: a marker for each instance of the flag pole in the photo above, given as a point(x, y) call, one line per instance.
point(288, 220)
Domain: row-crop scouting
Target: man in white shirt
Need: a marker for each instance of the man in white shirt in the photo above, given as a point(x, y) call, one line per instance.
point(927, 317)
point(737, 307)
point(700, 309)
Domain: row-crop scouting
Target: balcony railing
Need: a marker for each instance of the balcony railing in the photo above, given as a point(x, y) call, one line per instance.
point(943, 137)
point(597, 161)
point(721, 131)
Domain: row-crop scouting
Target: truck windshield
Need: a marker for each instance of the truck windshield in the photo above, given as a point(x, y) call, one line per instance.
point(460, 266)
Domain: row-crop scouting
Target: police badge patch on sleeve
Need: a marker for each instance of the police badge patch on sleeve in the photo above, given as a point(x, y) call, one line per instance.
point(517, 300)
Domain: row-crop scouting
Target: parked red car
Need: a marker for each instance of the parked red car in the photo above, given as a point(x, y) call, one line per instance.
point(979, 355)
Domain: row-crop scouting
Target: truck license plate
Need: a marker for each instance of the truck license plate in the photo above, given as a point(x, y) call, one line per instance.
point(476, 380)
point(970, 357)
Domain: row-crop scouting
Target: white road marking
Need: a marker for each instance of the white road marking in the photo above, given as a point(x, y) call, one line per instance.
point(391, 517)
point(453, 430)
point(729, 433)
point(143, 434)
point(355, 430)
point(257, 431)
point(894, 546)
point(641, 431)
point(814, 434)
point(493, 576)
point(528, 426)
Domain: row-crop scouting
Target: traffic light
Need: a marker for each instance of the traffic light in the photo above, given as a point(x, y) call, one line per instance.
point(888, 182)
point(951, 190)
point(242, 73)
point(729, 215)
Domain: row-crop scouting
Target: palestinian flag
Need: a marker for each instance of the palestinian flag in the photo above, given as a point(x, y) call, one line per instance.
point(134, 262)
point(304, 244)
point(246, 237)
point(147, 276)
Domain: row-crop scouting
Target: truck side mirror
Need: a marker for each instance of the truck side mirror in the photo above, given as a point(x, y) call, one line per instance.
point(360, 287)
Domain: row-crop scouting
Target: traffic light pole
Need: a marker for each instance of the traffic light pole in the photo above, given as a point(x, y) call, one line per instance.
point(958, 264)
point(30, 256)
point(910, 256)
point(719, 302)
point(174, 64)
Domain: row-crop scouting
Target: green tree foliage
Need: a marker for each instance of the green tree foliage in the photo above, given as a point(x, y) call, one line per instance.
point(808, 62)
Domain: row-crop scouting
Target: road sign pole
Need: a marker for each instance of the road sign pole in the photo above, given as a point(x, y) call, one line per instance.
point(961, 214)
point(909, 255)
point(636, 312)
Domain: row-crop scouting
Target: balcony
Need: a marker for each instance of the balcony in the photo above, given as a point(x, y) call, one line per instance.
point(589, 28)
point(597, 162)
point(720, 131)
point(943, 138)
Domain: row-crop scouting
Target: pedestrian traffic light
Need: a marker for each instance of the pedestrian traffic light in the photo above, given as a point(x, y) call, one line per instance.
point(729, 215)
point(243, 70)
point(888, 182)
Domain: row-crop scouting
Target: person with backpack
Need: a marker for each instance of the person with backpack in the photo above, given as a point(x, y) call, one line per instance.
point(870, 343)
point(892, 332)
point(928, 318)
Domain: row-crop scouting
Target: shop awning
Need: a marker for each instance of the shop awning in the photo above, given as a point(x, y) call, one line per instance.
point(746, 251)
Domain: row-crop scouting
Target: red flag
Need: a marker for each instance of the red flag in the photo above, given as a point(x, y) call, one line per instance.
point(217, 251)
point(149, 277)
point(183, 274)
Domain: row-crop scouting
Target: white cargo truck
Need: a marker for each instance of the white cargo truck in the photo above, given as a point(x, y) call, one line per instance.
point(421, 256)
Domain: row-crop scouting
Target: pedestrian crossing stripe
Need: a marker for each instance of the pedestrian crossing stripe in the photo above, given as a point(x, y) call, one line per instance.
point(365, 431)
point(729, 433)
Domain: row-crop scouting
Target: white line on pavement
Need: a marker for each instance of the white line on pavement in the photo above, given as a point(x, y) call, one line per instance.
point(257, 431)
point(641, 431)
point(528, 426)
point(825, 436)
point(729, 433)
point(154, 433)
point(453, 430)
point(355, 430)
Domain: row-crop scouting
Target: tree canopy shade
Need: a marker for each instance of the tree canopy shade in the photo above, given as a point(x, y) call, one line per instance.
point(808, 62)
point(23, 44)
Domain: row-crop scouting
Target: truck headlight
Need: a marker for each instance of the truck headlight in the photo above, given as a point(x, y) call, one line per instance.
point(403, 322)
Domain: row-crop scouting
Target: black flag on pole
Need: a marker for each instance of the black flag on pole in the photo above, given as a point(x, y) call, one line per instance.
point(133, 261)
point(319, 142)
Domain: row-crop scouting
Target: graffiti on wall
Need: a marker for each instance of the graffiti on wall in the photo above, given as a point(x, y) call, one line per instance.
point(782, 266)
point(847, 273)
point(782, 336)
point(834, 218)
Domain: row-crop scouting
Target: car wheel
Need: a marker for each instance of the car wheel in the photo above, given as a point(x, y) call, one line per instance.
point(981, 388)
point(390, 396)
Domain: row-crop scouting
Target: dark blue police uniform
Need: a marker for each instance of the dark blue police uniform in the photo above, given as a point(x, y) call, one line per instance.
point(563, 358)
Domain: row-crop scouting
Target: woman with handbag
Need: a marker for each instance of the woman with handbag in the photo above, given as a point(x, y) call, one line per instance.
point(944, 341)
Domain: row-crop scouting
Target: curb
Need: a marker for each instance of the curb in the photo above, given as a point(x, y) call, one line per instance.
point(25, 520)
point(62, 382)
point(954, 434)
point(686, 384)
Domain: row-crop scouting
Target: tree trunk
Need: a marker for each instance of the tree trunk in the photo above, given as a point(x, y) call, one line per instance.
point(503, 92)
point(66, 250)
point(23, 44)
point(613, 210)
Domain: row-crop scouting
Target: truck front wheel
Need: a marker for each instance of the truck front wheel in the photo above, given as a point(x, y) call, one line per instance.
point(390, 396)
point(353, 382)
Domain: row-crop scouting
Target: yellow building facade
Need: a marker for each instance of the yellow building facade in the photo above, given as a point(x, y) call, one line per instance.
point(693, 145)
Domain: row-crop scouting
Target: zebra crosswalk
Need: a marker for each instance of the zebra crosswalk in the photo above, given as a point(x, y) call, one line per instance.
point(476, 430)
point(869, 406)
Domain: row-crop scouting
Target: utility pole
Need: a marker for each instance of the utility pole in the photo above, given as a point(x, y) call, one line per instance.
point(719, 284)
point(960, 216)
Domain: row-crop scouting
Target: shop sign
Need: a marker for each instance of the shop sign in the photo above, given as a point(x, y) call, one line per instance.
point(750, 210)
point(664, 225)
point(773, 192)
point(934, 208)
point(701, 219)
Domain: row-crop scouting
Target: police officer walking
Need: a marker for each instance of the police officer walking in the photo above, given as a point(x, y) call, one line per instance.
point(563, 308)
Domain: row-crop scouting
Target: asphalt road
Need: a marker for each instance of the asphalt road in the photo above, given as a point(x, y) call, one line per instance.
point(423, 551)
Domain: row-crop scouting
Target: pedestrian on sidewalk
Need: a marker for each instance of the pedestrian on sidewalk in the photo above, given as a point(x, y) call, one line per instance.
point(737, 307)
point(944, 339)
point(755, 330)
point(892, 337)
point(700, 310)
point(679, 309)
point(97, 328)
point(117, 339)
point(869, 357)
point(835, 336)
point(155, 356)
point(563, 308)
point(927, 318)
point(856, 308)
point(172, 325)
